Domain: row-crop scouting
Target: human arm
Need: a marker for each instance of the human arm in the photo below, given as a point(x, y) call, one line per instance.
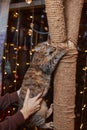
point(30, 106)
point(12, 122)
point(8, 99)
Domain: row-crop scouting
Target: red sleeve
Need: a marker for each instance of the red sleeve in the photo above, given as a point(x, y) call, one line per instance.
point(12, 122)
point(7, 99)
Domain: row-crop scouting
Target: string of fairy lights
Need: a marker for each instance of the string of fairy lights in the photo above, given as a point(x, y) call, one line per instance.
point(16, 47)
point(7, 66)
point(83, 121)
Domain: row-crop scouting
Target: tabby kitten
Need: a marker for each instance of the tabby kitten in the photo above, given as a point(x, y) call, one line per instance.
point(37, 79)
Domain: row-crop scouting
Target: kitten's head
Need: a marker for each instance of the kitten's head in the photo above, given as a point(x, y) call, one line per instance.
point(43, 53)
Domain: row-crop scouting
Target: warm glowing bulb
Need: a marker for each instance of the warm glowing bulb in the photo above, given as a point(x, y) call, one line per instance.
point(11, 44)
point(16, 30)
point(81, 92)
point(13, 108)
point(4, 87)
point(82, 108)
point(32, 50)
point(8, 111)
point(17, 64)
point(30, 53)
point(84, 105)
point(14, 71)
point(85, 50)
point(81, 126)
point(14, 81)
point(4, 57)
point(31, 16)
point(5, 73)
point(5, 44)
point(27, 63)
point(28, 1)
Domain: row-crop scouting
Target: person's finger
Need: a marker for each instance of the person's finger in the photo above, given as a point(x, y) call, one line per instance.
point(39, 100)
point(39, 95)
point(27, 95)
point(29, 91)
point(37, 108)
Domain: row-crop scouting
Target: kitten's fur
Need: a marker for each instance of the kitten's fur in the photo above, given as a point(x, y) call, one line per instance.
point(37, 79)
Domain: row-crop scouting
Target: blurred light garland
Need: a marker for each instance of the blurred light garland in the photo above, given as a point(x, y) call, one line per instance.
point(84, 102)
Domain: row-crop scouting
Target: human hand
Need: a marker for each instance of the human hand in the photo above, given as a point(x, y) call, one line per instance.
point(31, 105)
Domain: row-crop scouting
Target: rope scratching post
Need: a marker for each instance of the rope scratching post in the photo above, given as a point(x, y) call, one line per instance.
point(56, 22)
point(64, 27)
point(73, 9)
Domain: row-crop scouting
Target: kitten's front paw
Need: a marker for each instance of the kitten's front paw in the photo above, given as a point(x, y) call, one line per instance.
point(52, 106)
point(51, 125)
